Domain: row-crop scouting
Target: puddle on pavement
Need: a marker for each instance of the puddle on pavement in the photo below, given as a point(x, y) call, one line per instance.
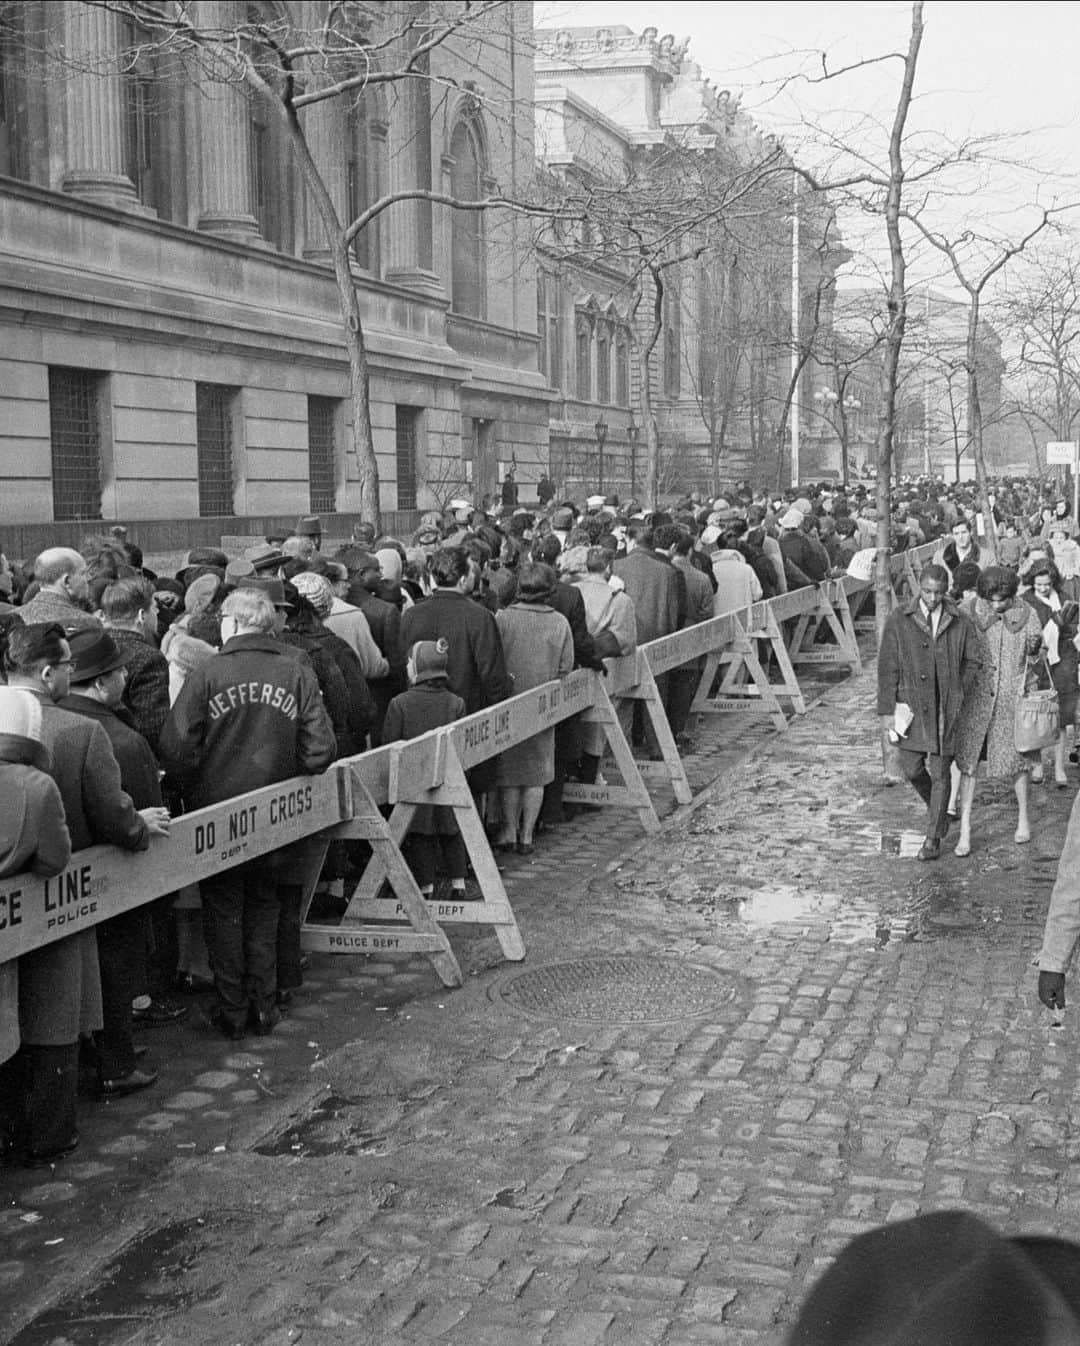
point(326, 1130)
point(140, 1284)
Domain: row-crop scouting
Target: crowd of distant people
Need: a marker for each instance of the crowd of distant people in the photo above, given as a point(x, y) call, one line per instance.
point(128, 697)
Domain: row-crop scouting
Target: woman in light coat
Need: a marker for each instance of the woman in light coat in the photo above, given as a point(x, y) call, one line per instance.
point(1009, 633)
point(537, 646)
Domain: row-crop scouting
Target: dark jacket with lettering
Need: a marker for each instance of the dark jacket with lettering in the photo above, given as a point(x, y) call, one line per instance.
point(250, 716)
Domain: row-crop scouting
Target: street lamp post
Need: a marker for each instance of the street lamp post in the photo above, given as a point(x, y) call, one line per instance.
point(601, 428)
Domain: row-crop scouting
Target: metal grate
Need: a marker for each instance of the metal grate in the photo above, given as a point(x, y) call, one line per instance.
point(213, 433)
point(75, 420)
point(406, 457)
point(322, 454)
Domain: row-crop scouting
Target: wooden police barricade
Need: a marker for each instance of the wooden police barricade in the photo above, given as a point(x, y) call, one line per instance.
point(431, 770)
point(102, 881)
point(634, 679)
point(821, 615)
point(744, 686)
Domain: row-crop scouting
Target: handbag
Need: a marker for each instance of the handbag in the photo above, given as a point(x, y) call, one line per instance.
point(1037, 716)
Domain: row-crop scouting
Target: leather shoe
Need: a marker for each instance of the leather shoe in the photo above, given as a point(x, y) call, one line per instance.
point(930, 849)
point(130, 1083)
point(32, 1159)
point(226, 1026)
point(158, 1012)
point(263, 1022)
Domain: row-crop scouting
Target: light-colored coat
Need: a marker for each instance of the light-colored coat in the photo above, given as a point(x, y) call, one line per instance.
point(34, 837)
point(538, 646)
point(989, 710)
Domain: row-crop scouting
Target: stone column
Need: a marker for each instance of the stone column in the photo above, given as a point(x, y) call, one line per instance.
point(225, 206)
point(326, 128)
point(95, 111)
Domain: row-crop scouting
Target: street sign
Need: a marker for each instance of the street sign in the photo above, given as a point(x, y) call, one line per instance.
point(1061, 452)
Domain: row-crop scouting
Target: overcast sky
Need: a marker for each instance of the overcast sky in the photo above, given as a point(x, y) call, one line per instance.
point(984, 69)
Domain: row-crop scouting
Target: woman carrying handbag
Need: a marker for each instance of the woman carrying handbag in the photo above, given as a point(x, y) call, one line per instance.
point(1058, 615)
point(1009, 634)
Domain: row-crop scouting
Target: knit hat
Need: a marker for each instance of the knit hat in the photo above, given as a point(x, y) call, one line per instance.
point(316, 589)
point(944, 1279)
point(20, 713)
point(430, 659)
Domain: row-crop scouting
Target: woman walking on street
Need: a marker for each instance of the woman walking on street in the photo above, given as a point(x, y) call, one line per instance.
point(1009, 633)
point(1059, 618)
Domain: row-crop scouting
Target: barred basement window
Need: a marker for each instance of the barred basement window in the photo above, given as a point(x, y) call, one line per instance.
point(75, 421)
point(214, 439)
point(407, 418)
point(322, 454)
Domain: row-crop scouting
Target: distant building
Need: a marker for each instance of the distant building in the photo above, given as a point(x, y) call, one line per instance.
point(169, 329)
point(931, 436)
point(606, 99)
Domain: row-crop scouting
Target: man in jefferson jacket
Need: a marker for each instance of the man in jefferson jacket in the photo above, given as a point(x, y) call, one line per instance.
point(248, 717)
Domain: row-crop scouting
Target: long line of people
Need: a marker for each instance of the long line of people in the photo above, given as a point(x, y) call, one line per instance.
point(131, 696)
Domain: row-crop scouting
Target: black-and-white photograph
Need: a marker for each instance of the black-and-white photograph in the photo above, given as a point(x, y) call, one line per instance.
point(539, 673)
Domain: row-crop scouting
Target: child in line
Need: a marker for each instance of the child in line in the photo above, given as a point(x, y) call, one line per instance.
point(428, 704)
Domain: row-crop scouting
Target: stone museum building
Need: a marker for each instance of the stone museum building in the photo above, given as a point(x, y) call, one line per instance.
point(170, 333)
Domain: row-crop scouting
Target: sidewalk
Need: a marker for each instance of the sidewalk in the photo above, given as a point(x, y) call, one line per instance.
point(732, 1047)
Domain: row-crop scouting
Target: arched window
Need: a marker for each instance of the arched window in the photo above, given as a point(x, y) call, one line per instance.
point(466, 226)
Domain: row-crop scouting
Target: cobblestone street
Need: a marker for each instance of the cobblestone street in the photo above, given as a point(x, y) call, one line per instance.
point(732, 1047)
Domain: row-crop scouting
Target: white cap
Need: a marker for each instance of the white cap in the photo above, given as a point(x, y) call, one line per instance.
point(595, 502)
point(792, 519)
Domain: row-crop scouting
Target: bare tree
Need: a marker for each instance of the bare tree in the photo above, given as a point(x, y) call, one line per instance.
point(343, 54)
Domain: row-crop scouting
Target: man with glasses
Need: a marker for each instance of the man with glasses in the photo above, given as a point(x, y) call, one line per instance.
point(59, 983)
point(98, 680)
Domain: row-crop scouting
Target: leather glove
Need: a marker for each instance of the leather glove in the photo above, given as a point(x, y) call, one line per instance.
point(1052, 989)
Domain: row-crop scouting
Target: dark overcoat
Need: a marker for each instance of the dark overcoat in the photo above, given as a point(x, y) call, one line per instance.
point(654, 588)
point(908, 660)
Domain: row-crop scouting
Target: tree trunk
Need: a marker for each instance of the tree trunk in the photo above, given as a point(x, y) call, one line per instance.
point(894, 336)
point(975, 428)
point(652, 432)
point(367, 466)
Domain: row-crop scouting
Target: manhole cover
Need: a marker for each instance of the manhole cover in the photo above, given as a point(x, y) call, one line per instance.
point(623, 989)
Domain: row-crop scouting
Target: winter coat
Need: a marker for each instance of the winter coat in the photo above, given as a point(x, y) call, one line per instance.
point(34, 837)
point(538, 647)
point(1066, 671)
point(422, 708)
point(49, 606)
point(567, 600)
point(737, 586)
point(477, 667)
point(947, 556)
point(183, 652)
point(609, 615)
point(146, 692)
point(250, 716)
point(988, 714)
point(699, 591)
point(909, 662)
point(653, 585)
point(802, 556)
point(352, 626)
point(138, 765)
point(59, 986)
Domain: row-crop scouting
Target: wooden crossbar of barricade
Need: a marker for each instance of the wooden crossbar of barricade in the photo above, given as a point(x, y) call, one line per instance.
point(374, 795)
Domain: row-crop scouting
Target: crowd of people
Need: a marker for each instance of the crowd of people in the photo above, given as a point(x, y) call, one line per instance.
point(129, 696)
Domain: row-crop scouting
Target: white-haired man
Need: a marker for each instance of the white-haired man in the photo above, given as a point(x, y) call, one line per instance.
point(249, 716)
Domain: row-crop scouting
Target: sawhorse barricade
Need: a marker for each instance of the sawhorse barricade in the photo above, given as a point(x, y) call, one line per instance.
point(430, 770)
point(350, 798)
